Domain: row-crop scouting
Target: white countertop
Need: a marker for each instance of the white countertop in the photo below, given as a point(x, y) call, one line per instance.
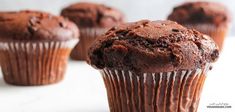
point(83, 90)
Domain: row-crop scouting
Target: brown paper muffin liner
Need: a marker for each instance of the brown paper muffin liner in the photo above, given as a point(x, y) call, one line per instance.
point(34, 63)
point(88, 35)
point(217, 33)
point(176, 91)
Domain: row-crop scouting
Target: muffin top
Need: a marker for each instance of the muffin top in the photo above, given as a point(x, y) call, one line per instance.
point(35, 25)
point(92, 15)
point(200, 12)
point(152, 46)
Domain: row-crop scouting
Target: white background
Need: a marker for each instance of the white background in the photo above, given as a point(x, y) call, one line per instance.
point(83, 89)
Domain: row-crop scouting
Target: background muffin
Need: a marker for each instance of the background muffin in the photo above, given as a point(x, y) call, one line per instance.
point(207, 17)
point(92, 20)
point(153, 66)
point(34, 47)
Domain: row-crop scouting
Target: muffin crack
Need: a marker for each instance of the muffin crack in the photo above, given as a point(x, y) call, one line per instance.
point(155, 45)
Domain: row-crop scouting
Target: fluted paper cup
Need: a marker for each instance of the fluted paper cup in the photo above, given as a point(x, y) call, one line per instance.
point(217, 33)
point(88, 35)
point(176, 91)
point(34, 63)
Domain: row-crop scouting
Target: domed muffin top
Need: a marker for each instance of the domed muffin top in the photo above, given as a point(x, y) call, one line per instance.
point(200, 12)
point(152, 46)
point(35, 25)
point(92, 15)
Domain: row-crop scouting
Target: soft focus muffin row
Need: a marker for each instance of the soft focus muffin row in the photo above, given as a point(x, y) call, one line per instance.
point(146, 65)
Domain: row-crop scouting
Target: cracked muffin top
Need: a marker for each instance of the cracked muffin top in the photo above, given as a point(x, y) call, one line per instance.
point(200, 12)
point(35, 25)
point(152, 46)
point(86, 14)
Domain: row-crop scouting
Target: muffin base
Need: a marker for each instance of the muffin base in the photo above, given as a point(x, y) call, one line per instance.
point(176, 91)
point(88, 35)
point(34, 63)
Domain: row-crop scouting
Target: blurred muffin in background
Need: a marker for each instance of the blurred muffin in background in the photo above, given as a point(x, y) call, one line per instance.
point(207, 17)
point(93, 20)
point(35, 46)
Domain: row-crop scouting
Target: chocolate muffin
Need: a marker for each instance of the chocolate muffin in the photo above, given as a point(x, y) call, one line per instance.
point(35, 46)
point(92, 20)
point(153, 66)
point(207, 17)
